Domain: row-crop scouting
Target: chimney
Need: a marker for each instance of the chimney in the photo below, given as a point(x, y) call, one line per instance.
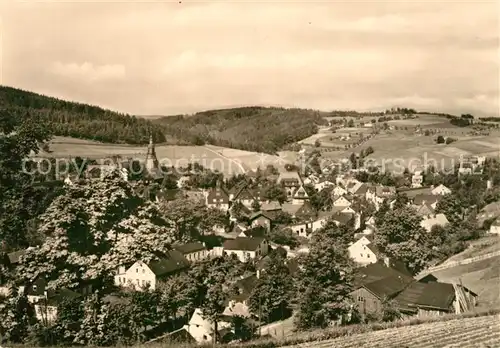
point(387, 262)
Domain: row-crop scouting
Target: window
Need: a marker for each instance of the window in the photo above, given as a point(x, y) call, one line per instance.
point(368, 256)
point(204, 337)
point(137, 270)
point(138, 283)
point(361, 255)
point(143, 270)
point(361, 299)
point(34, 287)
point(143, 282)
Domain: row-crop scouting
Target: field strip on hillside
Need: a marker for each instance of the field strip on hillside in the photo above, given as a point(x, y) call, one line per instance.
point(470, 332)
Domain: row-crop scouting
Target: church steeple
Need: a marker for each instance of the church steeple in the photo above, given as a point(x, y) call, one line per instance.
point(151, 164)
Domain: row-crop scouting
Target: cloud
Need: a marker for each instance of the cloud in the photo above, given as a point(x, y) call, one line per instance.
point(88, 72)
point(162, 58)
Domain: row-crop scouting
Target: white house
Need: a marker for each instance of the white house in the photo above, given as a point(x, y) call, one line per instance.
point(245, 248)
point(495, 227)
point(301, 229)
point(417, 179)
point(441, 190)
point(46, 307)
point(194, 251)
point(202, 330)
point(217, 198)
point(299, 196)
point(432, 220)
point(338, 191)
point(141, 275)
point(342, 202)
point(363, 251)
point(238, 302)
point(322, 185)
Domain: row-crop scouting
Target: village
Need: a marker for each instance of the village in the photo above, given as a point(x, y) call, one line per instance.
point(279, 217)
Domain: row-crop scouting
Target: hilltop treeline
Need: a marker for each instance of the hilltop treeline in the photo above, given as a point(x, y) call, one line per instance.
point(78, 120)
point(248, 128)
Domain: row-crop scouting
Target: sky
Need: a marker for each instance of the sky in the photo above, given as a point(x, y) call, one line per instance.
point(171, 57)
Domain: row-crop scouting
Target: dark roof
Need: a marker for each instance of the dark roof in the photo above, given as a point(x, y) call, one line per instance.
point(243, 193)
point(342, 218)
point(305, 211)
point(218, 193)
point(423, 198)
point(255, 232)
point(362, 189)
point(373, 248)
point(245, 287)
point(15, 256)
point(259, 214)
point(412, 192)
point(429, 295)
point(428, 278)
point(243, 243)
point(190, 247)
point(169, 194)
point(55, 298)
point(376, 271)
point(173, 262)
point(387, 287)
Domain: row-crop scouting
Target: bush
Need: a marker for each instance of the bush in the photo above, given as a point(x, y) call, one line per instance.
point(440, 139)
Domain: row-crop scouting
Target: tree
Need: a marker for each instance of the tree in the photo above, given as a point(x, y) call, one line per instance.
point(350, 124)
point(284, 236)
point(271, 297)
point(401, 236)
point(324, 281)
point(20, 135)
point(17, 317)
point(237, 211)
point(275, 192)
point(317, 143)
point(451, 206)
point(255, 205)
point(93, 229)
point(440, 139)
point(213, 306)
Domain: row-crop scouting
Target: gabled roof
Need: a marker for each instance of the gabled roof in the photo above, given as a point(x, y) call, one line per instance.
point(243, 243)
point(255, 232)
point(190, 248)
point(425, 209)
point(386, 287)
point(173, 262)
point(245, 286)
point(428, 295)
point(424, 198)
point(301, 193)
point(218, 193)
point(55, 298)
point(15, 256)
point(342, 218)
point(412, 192)
point(273, 205)
point(258, 214)
point(244, 194)
point(376, 271)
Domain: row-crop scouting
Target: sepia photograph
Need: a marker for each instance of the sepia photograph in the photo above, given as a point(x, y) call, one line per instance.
point(250, 173)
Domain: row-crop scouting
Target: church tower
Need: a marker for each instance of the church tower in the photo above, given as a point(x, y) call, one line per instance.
point(152, 166)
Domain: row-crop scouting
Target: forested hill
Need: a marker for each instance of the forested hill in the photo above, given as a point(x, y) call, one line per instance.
point(78, 120)
point(261, 129)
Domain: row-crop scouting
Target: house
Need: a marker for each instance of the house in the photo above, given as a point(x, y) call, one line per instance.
point(244, 196)
point(363, 251)
point(291, 181)
point(417, 179)
point(430, 199)
point(147, 274)
point(194, 251)
point(342, 201)
point(490, 211)
point(320, 186)
point(272, 206)
point(300, 196)
point(338, 191)
point(254, 232)
point(342, 218)
point(218, 198)
point(246, 248)
point(311, 179)
point(432, 298)
point(47, 305)
point(238, 303)
point(301, 229)
point(433, 220)
point(441, 190)
point(411, 193)
point(183, 181)
point(202, 329)
point(495, 227)
point(304, 211)
point(377, 282)
point(377, 194)
point(424, 210)
point(262, 219)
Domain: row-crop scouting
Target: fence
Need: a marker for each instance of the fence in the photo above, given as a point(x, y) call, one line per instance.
point(451, 264)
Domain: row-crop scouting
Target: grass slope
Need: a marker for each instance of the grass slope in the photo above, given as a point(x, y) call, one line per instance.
point(224, 160)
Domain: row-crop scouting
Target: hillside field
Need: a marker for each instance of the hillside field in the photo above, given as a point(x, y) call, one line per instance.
point(463, 333)
point(224, 160)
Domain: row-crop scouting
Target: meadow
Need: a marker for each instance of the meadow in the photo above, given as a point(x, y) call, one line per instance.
point(225, 160)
